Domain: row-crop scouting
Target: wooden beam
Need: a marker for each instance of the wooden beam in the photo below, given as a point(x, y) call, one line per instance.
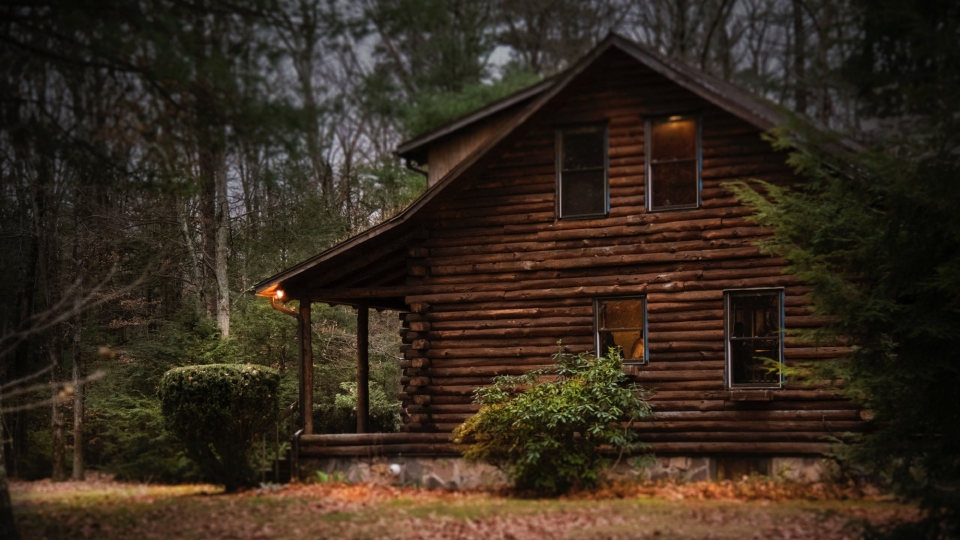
point(305, 338)
point(363, 368)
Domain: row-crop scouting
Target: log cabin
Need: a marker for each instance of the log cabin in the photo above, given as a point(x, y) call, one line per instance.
point(589, 208)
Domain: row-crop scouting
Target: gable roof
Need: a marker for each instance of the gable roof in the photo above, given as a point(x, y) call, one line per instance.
point(416, 147)
point(396, 230)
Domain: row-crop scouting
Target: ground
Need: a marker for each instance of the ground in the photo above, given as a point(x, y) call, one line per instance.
point(752, 508)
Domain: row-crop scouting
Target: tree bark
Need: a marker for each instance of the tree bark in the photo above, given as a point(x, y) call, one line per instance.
point(222, 238)
point(8, 527)
point(78, 467)
point(58, 473)
point(799, 58)
point(363, 369)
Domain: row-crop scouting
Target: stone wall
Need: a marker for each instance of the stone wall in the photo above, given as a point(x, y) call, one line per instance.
point(457, 473)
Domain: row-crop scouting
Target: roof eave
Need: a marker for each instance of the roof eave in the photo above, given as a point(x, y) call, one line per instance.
point(417, 144)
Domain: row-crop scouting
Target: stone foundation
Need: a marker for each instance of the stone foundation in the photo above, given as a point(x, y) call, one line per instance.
point(430, 472)
point(802, 469)
point(457, 473)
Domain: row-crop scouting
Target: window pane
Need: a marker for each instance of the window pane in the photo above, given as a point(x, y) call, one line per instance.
point(756, 316)
point(630, 343)
point(674, 184)
point(626, 313)
point(582, 149)
point(674, 140)
point(582, 193)
point(755, 338)
point(751, 358)
point(621, 326)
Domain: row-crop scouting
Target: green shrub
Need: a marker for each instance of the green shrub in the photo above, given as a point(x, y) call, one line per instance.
point(341, 415)
point(128, 439)
point(547, 435)
point(215, 411)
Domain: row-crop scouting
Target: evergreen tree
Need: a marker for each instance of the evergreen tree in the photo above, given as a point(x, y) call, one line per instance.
point(877, 235)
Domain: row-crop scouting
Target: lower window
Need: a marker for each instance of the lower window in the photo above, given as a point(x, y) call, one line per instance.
point(753, 328)
point(621, 323)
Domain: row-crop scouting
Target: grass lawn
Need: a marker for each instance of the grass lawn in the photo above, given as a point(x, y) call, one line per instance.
point(105, 509)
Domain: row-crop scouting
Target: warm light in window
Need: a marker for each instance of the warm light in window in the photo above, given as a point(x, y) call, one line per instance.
point(674, 118)
point(279, 294)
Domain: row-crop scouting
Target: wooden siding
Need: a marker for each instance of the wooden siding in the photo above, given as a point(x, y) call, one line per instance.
point(446, 153)
point(532, 278)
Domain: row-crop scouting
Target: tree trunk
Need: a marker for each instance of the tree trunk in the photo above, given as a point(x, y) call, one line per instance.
point(78, 469)
point(195, 268)
point(223, 235)
point(799, 58)
point(59, 473)
point(208, 218)
point(8, 527)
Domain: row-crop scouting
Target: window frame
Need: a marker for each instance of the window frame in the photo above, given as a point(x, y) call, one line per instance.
point(596, 327)
point(558, 143)
point(648, 163)
point(728, 296)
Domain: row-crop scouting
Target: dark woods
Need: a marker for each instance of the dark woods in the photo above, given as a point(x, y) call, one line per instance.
point(158, 157)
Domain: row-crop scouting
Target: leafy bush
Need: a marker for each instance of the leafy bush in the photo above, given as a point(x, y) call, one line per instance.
point(547, 435)
point(215, 411)
point(341, 416)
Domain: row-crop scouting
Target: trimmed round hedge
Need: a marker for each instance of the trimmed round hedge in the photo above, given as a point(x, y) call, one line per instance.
point(215, 411)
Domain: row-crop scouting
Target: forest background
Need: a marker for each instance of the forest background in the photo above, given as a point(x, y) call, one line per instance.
point(158, 157)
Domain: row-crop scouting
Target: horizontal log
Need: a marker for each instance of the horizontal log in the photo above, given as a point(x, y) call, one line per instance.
point(546, 352)
point(509, 331)
point(818, 416)
point(680, 375)
point(783, 394)
point(463, 408)
point(784, 448)
point(683, 346)
point(484, 370)
point(569, 339)
point(637, 247)
point(683, 365)
point(354, 439)
point(736, 436)
point(471, 362)
point(835, 426)
point(429, 449)
point(565, 313)
point(714, 323)
point(449, 390)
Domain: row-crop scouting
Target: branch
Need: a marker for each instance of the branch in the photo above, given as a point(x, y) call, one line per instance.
point(61, 397)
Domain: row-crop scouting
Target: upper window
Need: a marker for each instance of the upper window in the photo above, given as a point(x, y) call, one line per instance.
point(621, 323)
point(673, 163)
point(582, 172)
point(754, 344)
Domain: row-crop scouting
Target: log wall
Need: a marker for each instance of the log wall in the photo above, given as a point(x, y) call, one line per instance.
point(533, 278)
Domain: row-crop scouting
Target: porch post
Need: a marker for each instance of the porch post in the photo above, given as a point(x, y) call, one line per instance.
point(305, 337)
point(363, 368)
